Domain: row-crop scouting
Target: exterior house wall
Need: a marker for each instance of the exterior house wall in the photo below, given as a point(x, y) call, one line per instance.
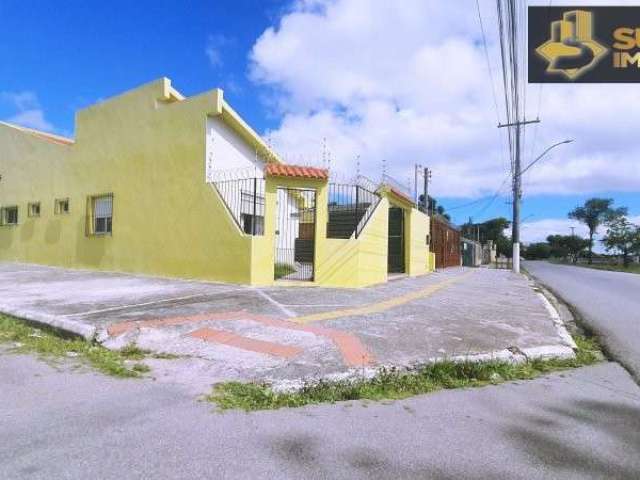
point(228, 155)
point(153, 151)
point(416, 232)
point(166, 219)
point(357, 262)
point(417, 242)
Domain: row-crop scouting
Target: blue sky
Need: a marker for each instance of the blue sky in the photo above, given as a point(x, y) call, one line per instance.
point(76, 52)
point(302, 71)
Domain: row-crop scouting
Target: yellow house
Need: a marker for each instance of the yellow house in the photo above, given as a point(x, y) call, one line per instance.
point(160, 184)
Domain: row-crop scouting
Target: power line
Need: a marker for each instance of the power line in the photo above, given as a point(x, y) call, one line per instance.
point(491, 77)
point(486, 56)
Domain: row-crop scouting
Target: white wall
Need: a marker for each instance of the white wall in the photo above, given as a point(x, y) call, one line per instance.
point(228, 156)
point(287, 225)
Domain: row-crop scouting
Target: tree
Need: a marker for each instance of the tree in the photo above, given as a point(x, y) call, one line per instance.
point(567, 246)
point(493, 230)
point(537, 251)
point(433, 207)
point(622, 237)
point(594, 213)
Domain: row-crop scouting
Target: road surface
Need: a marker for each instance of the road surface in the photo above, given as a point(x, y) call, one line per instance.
point(62, 424)
point(609, 303)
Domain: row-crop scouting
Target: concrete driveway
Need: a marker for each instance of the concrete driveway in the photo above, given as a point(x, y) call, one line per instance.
point(221, 331)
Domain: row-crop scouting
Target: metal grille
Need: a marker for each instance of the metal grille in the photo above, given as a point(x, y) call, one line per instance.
point(395, 252)
point(350, 207)
point(244, 199)
point(295, 234)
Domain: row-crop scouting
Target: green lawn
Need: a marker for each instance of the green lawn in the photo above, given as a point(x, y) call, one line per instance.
point(632, 268)
point(282, 270)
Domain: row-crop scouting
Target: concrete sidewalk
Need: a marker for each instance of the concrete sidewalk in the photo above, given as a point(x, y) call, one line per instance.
point(222, 332)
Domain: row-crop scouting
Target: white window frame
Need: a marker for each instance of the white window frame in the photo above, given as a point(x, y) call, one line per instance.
point(102, 209)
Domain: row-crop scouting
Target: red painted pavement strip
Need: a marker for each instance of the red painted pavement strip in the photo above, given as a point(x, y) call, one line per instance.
point(351, 348)
point(353, 351)
point(245, 343)
point(116, 329)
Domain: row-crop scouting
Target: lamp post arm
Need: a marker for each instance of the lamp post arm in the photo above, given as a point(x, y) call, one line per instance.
point(543, 154)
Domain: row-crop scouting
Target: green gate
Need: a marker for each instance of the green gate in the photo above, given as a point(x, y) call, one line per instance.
point(395, 254)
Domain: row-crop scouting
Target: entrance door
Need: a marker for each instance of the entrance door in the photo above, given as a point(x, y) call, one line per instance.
point(295, 234)
point(395, 257)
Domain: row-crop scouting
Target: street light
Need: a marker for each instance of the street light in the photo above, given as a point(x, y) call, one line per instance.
point(515, 226)
point(543, 154)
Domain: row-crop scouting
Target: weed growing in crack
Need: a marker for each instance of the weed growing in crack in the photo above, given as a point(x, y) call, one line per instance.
point(394, 383)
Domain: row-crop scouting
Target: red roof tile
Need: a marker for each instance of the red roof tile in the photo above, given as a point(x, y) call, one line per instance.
point(400, 194)
point(280, 170)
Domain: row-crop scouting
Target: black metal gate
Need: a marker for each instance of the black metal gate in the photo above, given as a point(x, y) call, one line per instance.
point(395, 254)
point(295, 234)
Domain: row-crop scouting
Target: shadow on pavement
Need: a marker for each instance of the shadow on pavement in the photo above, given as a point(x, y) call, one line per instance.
point(606, 435)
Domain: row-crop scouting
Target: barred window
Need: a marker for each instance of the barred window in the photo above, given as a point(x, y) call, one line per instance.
point(9, 215)
point(34, 209)
point(101, 214)
point(61, 206)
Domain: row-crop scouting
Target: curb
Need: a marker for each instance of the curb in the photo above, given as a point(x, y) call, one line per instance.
point(566, 337)
point(515, 355)
point(58, 323)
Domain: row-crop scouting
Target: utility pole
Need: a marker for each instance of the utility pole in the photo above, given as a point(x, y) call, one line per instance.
point(416, 174)
point(427, 177)
point(517, 192)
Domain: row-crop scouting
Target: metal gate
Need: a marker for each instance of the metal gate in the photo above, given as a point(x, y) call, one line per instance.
point(295, 234)
point(395, 254)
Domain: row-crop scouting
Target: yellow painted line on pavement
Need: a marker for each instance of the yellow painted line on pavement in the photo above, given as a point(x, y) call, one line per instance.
point(380, 306)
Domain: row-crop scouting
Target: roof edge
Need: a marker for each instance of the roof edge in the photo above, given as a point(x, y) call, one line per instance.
point(50, 137)
point(233, 119)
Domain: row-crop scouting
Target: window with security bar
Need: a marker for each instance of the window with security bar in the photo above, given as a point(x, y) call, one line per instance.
point(61, 206)
point(100, 221)
point(9, 216)
point(34, 209)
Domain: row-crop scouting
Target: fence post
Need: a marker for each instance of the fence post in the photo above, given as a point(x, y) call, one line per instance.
point(255, 193)
point(356, 209)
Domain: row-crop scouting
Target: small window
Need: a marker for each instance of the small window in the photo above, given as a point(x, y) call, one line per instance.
point(101, 214)
point(9, 215)
point(248, 224)
point(34, 209)
point(62, 206)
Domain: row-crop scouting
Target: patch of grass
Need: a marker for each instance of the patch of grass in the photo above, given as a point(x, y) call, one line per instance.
point(282, 270)
point(632, 268)
point(47, 344)
point(398, 383)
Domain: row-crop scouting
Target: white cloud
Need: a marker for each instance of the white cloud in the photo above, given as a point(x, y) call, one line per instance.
point(215, 49)
point(407, 82)
point(28, 112)
point(32, 119)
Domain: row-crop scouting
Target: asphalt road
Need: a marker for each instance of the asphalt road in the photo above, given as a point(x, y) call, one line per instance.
point(62, 424)
point(609, 303)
